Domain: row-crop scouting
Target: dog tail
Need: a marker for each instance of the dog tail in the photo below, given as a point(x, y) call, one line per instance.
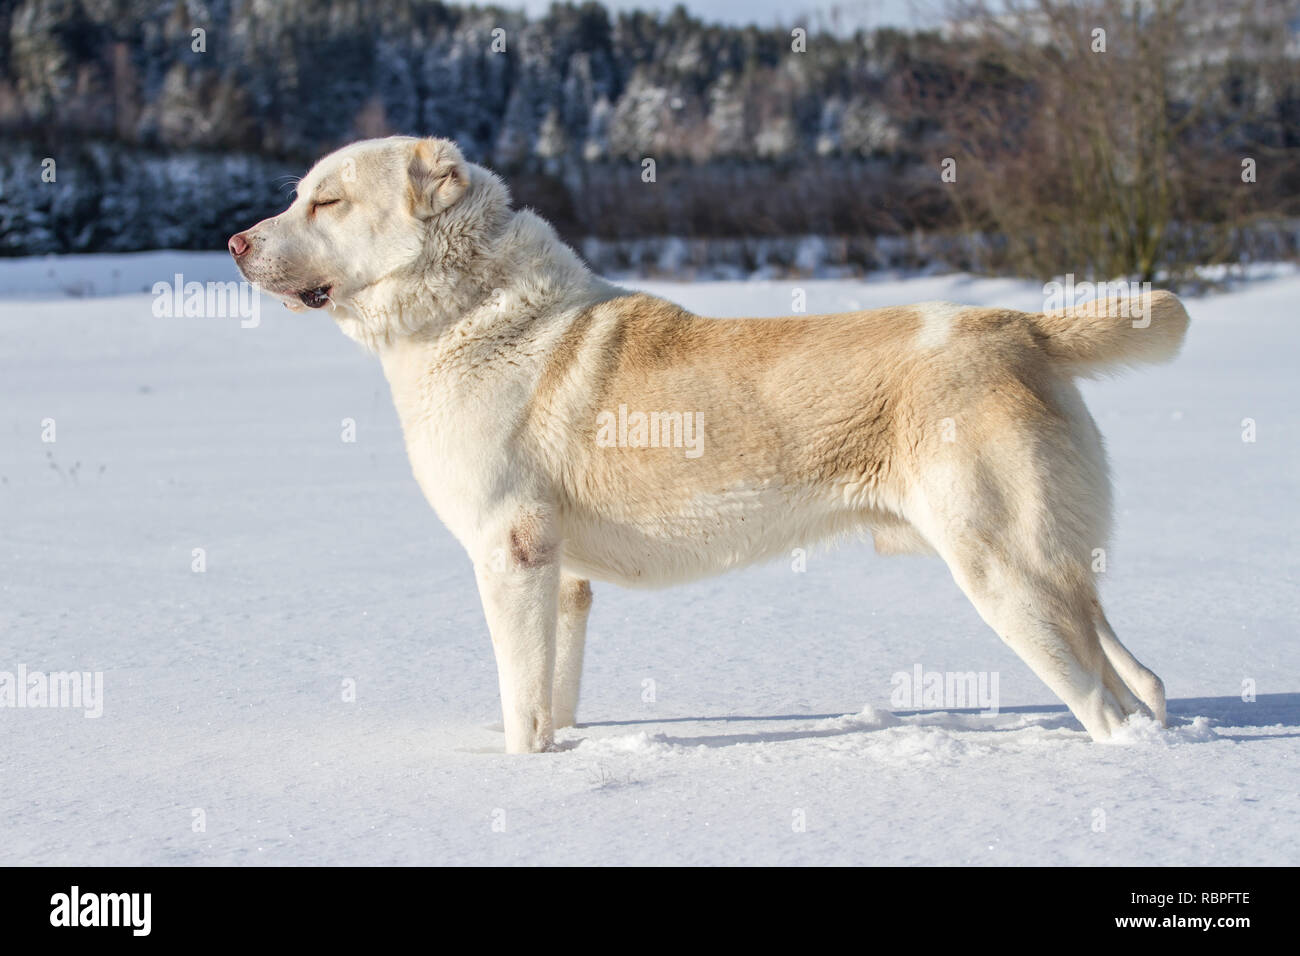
point(1099, 335)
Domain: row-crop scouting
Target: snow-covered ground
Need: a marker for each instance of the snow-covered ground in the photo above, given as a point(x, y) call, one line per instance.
point(744, 719)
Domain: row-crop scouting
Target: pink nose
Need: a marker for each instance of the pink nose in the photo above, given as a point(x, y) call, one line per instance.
point(238, 245)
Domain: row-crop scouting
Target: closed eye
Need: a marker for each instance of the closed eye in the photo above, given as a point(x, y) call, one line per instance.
point(323, 202)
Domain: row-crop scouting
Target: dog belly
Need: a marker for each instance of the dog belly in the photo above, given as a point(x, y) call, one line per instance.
point(663, 549)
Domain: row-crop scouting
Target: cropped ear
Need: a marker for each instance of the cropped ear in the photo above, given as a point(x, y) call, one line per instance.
point(438, 176)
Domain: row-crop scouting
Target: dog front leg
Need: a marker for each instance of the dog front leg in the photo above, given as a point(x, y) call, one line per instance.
point(520, 601)
point(570, 639)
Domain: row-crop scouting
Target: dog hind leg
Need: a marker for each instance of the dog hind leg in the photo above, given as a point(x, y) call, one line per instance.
point(1145, 683)
point(1016, 514)
point(1050, 629)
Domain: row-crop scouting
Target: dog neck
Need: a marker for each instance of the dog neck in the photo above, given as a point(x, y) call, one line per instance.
point(533, 288)
point(485, 270)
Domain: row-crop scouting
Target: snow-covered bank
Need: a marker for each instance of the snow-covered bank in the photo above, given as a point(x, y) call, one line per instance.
point(792, 261)
point(743, 719)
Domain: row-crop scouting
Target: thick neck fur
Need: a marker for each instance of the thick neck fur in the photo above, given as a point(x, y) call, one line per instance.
point(484, 267)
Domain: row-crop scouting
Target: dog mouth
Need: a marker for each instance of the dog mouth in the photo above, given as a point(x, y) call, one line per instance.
point(315, 298)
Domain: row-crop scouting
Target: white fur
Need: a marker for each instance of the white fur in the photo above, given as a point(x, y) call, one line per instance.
point(970, 441)
point(936, 323)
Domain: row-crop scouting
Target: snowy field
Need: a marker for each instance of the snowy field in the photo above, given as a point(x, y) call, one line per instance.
point(744, 719)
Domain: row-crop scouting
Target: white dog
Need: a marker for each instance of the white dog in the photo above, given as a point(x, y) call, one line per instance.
point(566, 429)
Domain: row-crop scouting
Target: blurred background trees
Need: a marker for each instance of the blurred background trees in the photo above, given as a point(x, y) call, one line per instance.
point(1126, 136)
point(1123, 161)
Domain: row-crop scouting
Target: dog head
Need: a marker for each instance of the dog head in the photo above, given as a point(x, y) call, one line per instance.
point(386, 232)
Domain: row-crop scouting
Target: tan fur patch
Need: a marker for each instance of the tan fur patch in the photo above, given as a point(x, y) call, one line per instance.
point(766, 417)
point(575, 597)
point(529, 547)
